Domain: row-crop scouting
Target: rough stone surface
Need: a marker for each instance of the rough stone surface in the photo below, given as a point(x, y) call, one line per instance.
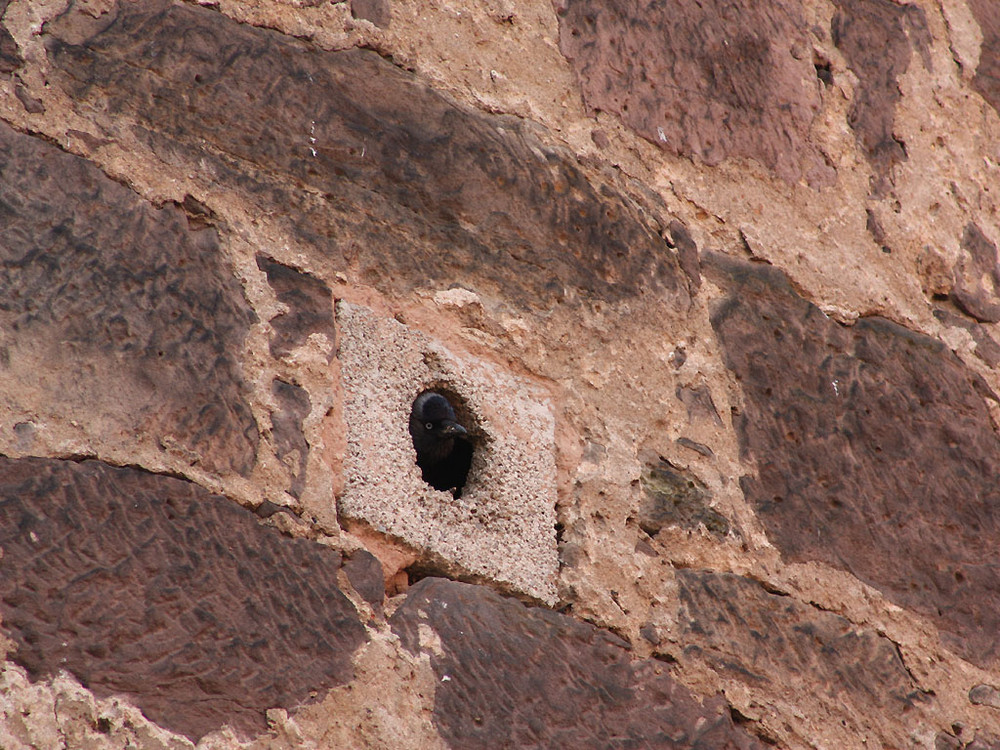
point(670, 497)
point(309, 302)
point(709, 80)
point(985, 695)
point(875, 452)
point(495, 194)
point(503, 525)
point(878, 37)
point(987, 78)
point(10, 55)
point(984, 741)
point(377, 162)
point(61, 713)
point(857, 671)
point(290, 442)
point(118, 313)
point(151, 587)
point(699, 404)
point(977, 283)
point(512, 676)
point(365, 574)
point(987, 348)
point(379, 12)
point(687, 253)
point(981, 741)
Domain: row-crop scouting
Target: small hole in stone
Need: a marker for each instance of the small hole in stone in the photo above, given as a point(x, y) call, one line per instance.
point(442, 442)
point(824, 72)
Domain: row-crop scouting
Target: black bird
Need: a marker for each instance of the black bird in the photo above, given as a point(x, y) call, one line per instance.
point(444, 453)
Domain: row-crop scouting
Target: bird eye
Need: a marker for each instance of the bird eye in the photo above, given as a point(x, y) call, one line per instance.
point(429, 425)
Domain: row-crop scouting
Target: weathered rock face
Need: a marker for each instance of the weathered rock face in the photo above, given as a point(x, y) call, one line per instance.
point(150, 587)
point(709, 80)
point(517, 677)
point(290, 442)
point(107, 301)
point(977, 288)
point(875, 452)
point(317, 136)
point(987, 73)
point(877, 38)
point(863, 676)
point(310, 309)
point(713, 287)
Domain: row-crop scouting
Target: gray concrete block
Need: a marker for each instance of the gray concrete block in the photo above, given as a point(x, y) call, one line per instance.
point(502, 528)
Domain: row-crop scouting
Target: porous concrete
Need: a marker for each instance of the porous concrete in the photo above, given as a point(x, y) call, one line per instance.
point(502, 528)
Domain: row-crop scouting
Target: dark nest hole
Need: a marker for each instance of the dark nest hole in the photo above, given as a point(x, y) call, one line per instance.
point(441, 426)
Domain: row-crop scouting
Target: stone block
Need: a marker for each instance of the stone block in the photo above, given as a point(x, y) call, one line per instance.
point(502, 528)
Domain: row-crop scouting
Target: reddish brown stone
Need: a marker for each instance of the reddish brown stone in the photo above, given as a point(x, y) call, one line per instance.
point(364, 571)
point(120, 307)
point(987, 79)
point(981, 741)
point(376, 11)
point(151, 587)
point(687, 253)
point(987, 348)
point(698, 402)
point(289, 440)
point(31, 104)
point(876, 37)
point(310, 307)
point(985, 695)
point(10, 54)
point(372, 172)
point(874, 227)
point(705, 79)
point(671, 496)
point(874, 452)
point(945, 741)
point(974, 297)
point(984, 741)
point(744, 632)
point(513, 676)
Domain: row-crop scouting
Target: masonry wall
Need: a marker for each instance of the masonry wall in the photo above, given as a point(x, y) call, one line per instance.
point(715, 289)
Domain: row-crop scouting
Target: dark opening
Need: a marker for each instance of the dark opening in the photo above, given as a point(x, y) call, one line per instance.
point(442, 442)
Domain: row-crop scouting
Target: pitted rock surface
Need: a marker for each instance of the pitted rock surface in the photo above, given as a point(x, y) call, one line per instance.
point(710, 80)
point(378, 160)
point(977, 283)
point(877, 38)
point(364, 571)
point(290, 442)
point(151, 587)
point(118, 310)
point(310, 307)
point(752, 635)
point(510, 676)
point(987, 348)
point(672, 496)
point(10, 55)
point(987, 80)
point(875, 452)
point(378, 12)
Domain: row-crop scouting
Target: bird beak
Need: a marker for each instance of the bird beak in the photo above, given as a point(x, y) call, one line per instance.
point(452, 429)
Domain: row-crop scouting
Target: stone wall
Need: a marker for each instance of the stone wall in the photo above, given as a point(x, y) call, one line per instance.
point(713, 286)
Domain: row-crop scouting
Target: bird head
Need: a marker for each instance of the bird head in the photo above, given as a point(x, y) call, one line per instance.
point(433, 425)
